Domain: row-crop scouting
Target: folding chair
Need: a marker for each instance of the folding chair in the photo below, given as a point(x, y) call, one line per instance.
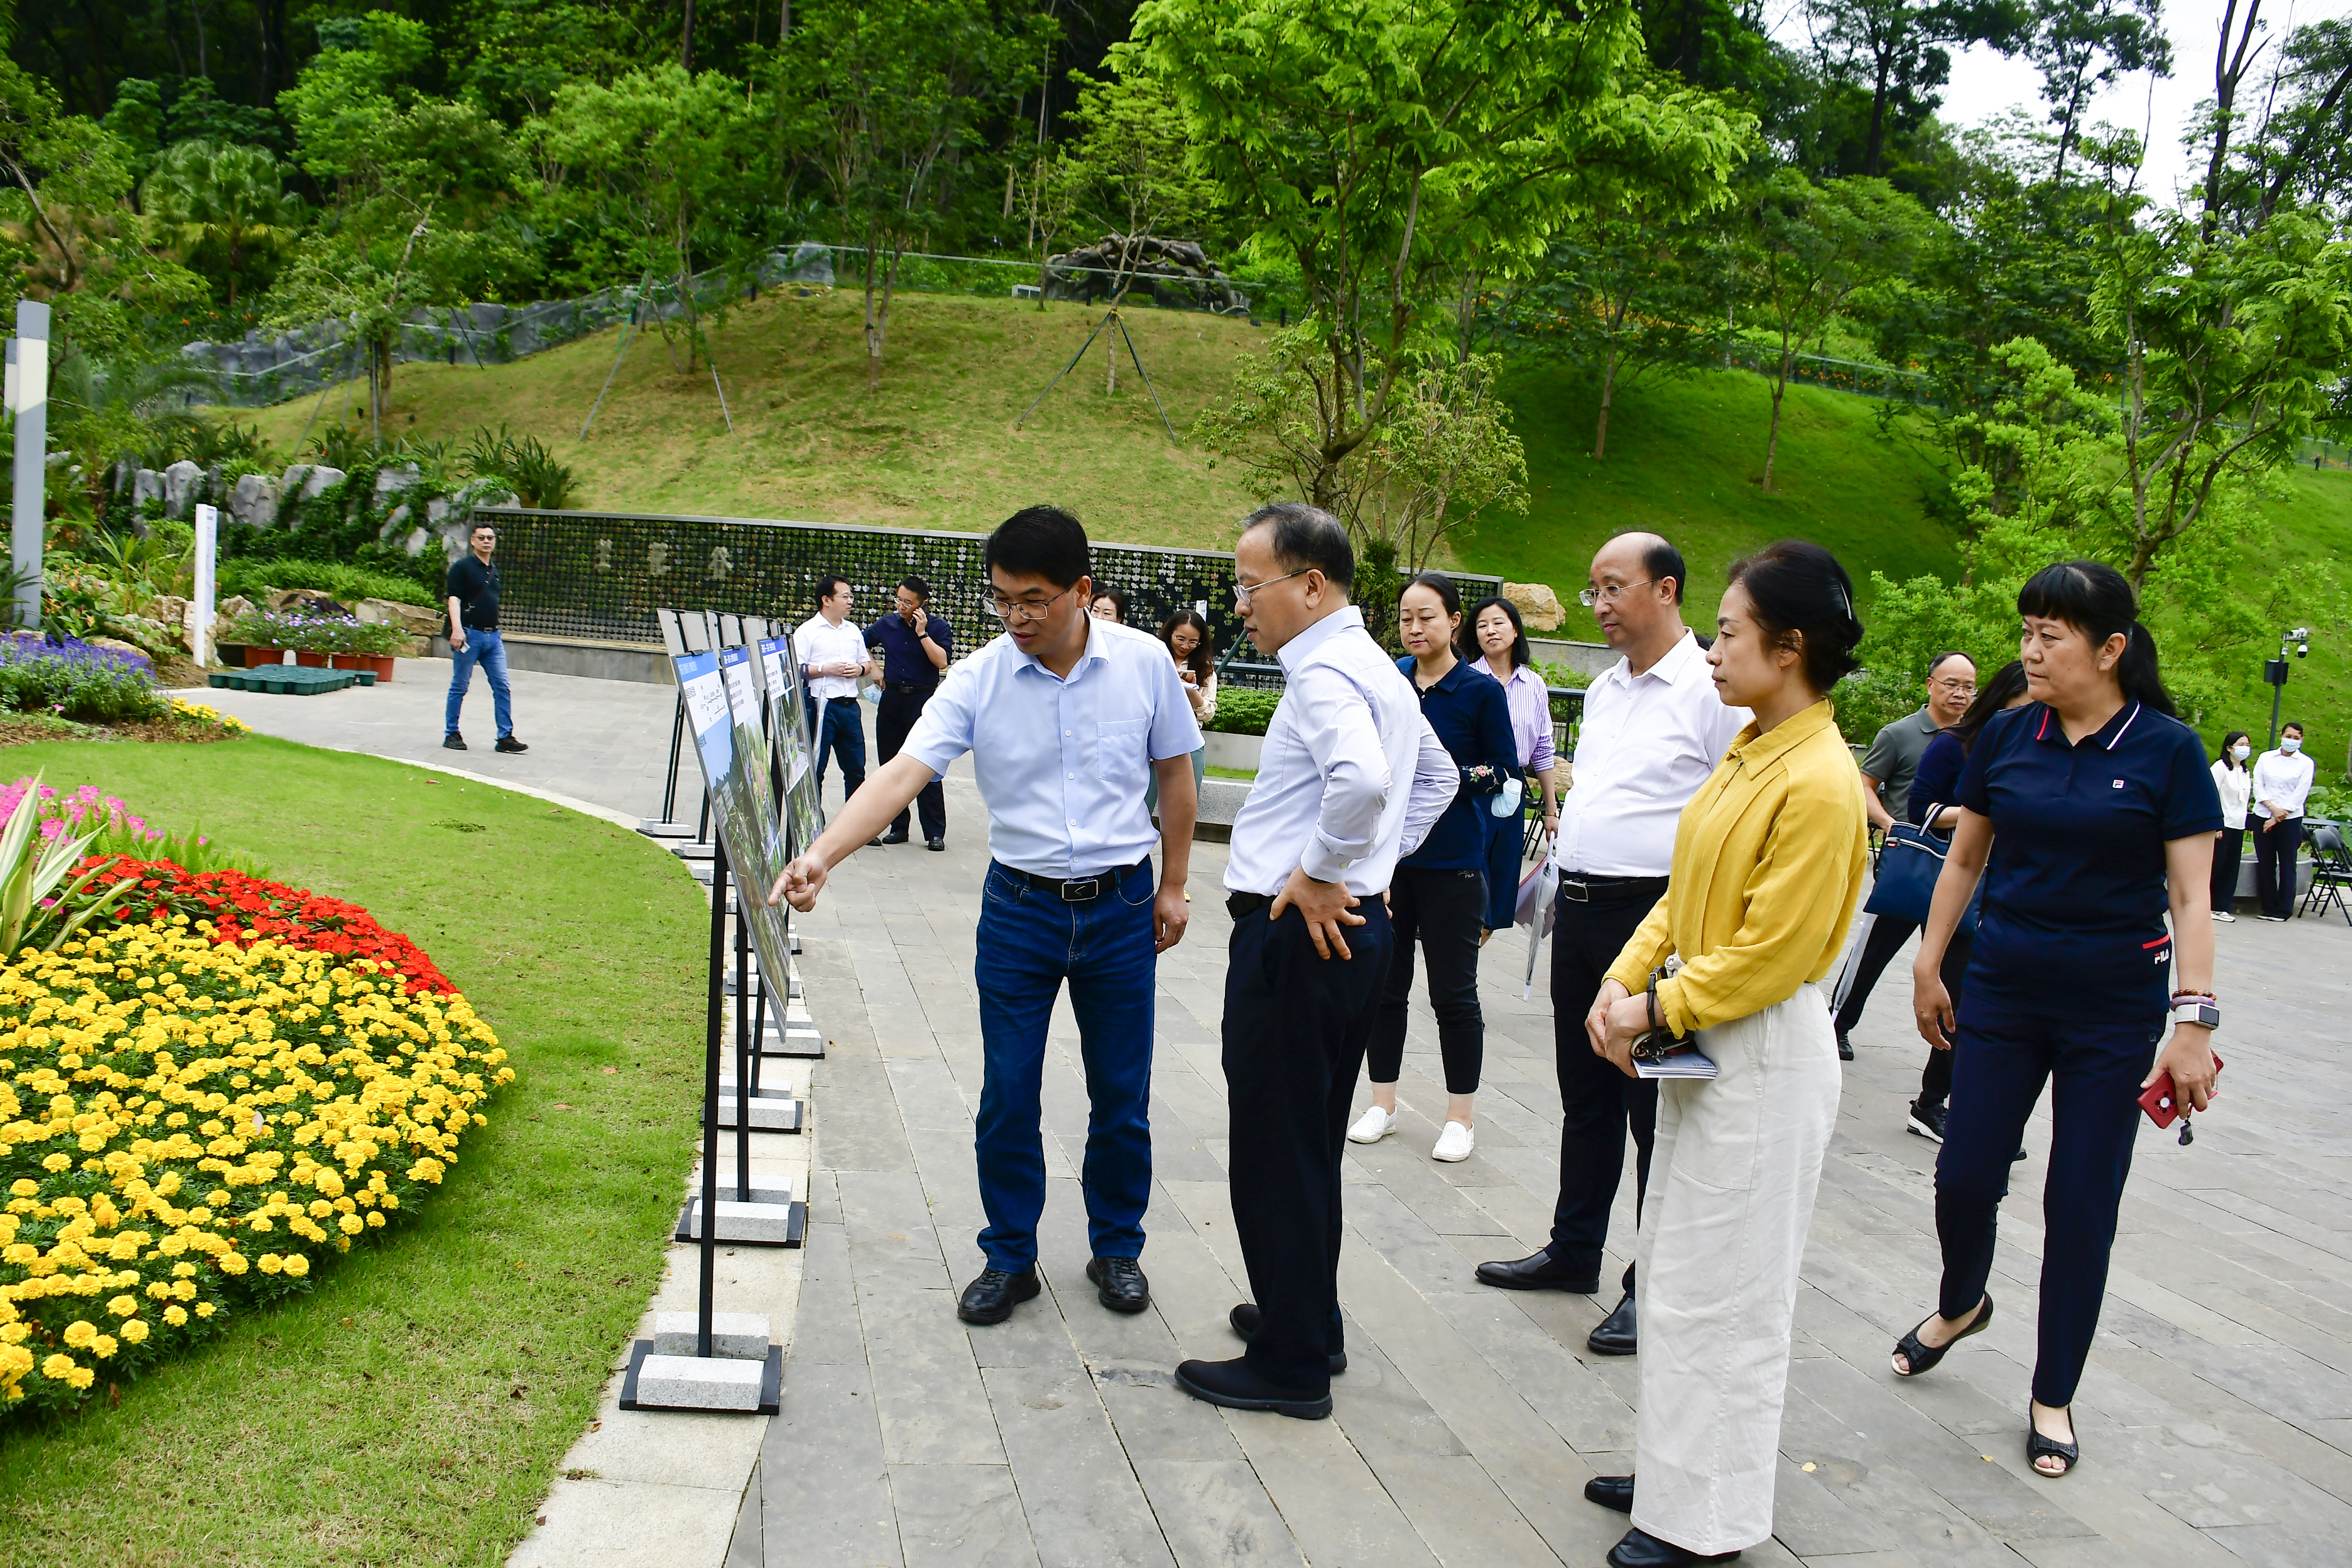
point(2331, 873)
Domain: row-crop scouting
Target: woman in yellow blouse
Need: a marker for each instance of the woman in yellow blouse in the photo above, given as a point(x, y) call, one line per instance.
point(1767, 868)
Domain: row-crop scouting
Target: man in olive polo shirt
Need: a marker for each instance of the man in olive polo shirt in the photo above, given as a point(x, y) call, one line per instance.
point(1892, 762)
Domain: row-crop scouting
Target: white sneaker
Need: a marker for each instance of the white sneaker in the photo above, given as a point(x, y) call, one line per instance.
point(2225, 915)
point(1454, 1144)
point(1372, 1126)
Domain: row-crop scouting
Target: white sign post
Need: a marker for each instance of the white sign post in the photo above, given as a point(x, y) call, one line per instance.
point(28, 400)
point(200, 638)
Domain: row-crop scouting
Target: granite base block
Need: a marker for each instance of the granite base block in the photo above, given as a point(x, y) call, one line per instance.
point(688, 1382)
point(747, 1224)
point(767, 1114)
point(734, 1336)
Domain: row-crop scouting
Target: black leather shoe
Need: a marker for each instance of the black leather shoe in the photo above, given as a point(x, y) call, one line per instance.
point(1244, 1320)
point(992, 1297)
point(1120, 1283)
point(509, 743)
point(936, 841)
point(1641, 1549)
point(453, 741)
point(1614, 1334)
point(1540, 1272)
point(1845, 1047)
point(1237, 1386)
point(1611, 1491)
point(896, 836)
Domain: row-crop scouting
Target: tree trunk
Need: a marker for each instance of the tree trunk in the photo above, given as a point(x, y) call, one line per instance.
point(1876, 149)
point(872, 333)
point(1608, 390)
point(235, 250)
point(1772, 441)
point(685, 41)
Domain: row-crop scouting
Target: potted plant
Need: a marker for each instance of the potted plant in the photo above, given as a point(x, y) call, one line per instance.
point(368, 646)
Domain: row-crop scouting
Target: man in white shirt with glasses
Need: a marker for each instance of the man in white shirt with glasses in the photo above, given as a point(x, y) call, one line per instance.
point(1350, 779)
point(1067, 718)
point(1653, 731)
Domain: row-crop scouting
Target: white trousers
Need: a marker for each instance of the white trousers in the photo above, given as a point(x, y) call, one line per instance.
point(1732, 1180)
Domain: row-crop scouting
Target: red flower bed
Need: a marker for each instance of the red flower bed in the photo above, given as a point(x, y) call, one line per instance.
point(247, 909)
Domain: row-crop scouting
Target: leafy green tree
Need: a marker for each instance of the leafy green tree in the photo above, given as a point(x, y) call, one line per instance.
point(883, 98)
point(658, 161)
point(233, 198)
point(1896, 49)
point(1811, 249)
point(2081, 47)
point(1390, 148)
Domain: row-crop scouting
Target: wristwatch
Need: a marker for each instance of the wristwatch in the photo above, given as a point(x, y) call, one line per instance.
point(2201, 1010)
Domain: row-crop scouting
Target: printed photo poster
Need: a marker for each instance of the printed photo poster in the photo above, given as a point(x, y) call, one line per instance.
point(734, 768)
point(788, 732)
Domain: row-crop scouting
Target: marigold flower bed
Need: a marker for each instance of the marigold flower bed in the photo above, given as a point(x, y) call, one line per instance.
point(192, 1117)
point(249, 909)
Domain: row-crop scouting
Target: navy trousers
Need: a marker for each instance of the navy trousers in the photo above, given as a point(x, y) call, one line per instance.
point(1598, 1104)
point(1030, 943)
point(2095, 1069)
point(1296, 1027)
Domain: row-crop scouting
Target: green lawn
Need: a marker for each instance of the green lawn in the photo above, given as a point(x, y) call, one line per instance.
point(412, 1409)
point(1685, 457)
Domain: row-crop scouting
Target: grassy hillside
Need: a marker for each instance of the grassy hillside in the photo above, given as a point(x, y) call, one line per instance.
point(935, 448)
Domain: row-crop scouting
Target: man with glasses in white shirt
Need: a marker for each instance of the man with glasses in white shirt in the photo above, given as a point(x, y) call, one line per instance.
point(1066, 718)
point(1653, 731)
point(1352, 778)
point(833, 654)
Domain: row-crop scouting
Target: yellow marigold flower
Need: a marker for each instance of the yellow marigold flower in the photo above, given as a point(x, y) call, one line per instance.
point(231, 1262)
point(81, 1377)
point(272, 1263)
point(135, 1331)
point(206, 1309)
point(57, 1163)
point(175, 1315)
point(58, 1368)
point(375, 1218)
point(297, 1265)
point(123, 1306)
point(79, 1333)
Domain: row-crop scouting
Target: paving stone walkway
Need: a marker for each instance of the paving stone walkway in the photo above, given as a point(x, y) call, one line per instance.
point(2216, 1417)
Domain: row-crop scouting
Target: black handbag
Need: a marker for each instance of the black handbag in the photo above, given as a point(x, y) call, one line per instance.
point(1908, 867)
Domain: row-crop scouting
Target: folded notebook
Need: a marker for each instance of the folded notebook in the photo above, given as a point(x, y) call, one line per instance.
point(1677, 1061)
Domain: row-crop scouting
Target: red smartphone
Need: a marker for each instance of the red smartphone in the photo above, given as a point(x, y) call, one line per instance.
point(2158, 1099)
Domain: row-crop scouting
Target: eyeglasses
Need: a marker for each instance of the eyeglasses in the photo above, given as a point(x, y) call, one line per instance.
point(1588, 598)
point(1956, 688)
point(1022, 610)
point(1241, 591)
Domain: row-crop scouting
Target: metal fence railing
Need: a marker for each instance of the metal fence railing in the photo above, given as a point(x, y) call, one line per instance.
point(600, 576)
point(1857, 377)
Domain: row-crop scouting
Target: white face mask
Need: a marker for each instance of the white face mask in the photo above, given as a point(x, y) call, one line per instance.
point(2291, 746)
point(2241, 752)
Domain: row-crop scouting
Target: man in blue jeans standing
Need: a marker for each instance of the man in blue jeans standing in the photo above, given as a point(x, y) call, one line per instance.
point(1066, 718)
point(472, 588)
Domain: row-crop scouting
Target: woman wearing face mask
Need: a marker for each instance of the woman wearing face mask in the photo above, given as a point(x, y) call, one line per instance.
point(2281, 783)
point(1498, 644)
point(1439, 893)
point(2233, 782)
point(2090, 816)
point(1768, 869)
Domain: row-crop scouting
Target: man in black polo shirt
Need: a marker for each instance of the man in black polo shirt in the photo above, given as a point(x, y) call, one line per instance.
point(473, 591)
point(915, 646)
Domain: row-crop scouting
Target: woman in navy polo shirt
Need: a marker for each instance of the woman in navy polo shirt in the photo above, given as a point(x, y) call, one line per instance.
point(1439, 893)
point(2090, 815)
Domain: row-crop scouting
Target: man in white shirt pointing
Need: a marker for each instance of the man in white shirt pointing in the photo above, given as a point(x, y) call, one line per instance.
point(1653, 731)
point(1352, 778)
point(1065, 717)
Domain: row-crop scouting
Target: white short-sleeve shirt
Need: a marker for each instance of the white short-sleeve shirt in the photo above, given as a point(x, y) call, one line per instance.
point(1061, 762)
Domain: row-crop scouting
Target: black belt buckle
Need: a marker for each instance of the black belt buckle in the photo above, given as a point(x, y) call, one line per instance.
point(1071, 895)
point(1574, 892)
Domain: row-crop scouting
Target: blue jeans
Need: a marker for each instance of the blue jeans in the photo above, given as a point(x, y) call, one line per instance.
point(1030, 942)
point(484, 647)
point(836, 726)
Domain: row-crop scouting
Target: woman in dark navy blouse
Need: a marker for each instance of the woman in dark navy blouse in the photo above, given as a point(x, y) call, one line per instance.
point(2090, 815)
point(1439, 893)
point(1934, 788)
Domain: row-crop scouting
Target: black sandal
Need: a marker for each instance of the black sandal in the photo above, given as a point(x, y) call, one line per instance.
point(1923, 1357)
point(2038, 1448)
